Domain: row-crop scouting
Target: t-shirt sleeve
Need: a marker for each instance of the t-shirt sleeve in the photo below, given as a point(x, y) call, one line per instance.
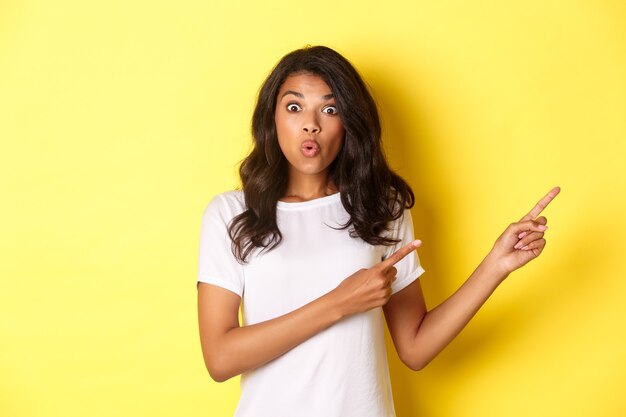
point(409, 268)
point(217, 264)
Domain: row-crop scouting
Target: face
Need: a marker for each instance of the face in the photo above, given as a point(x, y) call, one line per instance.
point(310, 131)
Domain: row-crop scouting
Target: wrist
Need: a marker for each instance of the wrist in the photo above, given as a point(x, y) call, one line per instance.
point(334, 306)
point(494, 269)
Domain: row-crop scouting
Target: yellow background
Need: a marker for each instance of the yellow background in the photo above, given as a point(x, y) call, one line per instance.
point(119, 121)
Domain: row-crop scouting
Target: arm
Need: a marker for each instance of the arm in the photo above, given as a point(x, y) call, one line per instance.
point(419, 335)
point(230, 350)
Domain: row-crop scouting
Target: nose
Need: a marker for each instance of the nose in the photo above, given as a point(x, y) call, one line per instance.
point(311, 124)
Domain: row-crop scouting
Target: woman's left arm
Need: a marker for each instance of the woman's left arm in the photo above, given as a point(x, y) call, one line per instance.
point(419, 335)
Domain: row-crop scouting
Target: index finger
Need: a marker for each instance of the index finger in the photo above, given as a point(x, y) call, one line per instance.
point(398, 255)
point(542, 204)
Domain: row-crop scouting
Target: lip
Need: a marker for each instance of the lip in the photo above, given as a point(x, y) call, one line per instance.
point(310, 148)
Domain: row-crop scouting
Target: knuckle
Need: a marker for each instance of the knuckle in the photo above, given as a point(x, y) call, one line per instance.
point(381, 282)
point(531, 237)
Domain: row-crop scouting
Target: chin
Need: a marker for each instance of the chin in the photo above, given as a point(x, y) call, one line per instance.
point(309, 169)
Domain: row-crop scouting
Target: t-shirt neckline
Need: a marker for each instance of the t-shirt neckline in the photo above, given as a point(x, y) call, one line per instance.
point(329, 199)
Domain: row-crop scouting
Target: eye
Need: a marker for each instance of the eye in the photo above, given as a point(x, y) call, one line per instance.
point(293, 107)
point(330, 110)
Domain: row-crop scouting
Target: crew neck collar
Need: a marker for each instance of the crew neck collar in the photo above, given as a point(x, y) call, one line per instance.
point(329, 199)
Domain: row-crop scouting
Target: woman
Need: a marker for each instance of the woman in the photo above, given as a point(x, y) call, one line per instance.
point(316, 246)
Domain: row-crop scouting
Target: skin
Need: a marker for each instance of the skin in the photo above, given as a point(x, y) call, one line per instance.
point(305, 109)
point(418, 335)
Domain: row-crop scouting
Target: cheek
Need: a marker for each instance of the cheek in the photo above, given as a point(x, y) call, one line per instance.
point(285, 126)
point(337, 132)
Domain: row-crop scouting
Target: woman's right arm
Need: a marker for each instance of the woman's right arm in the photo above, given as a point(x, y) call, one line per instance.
point(229, 349)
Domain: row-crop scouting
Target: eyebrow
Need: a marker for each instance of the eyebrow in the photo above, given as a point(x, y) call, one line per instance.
point(300, 95)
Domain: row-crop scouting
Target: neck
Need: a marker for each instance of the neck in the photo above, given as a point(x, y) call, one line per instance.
point(308, 187)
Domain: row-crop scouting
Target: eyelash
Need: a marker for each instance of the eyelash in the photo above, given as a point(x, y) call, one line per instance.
point(330, 107)
point(323, 110)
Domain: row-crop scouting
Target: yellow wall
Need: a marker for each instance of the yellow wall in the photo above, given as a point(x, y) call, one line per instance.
point(119, 120)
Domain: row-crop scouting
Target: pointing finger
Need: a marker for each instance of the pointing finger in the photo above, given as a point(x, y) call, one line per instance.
point(526, 226)
point(542, 204)
point(397, 256)
point(391, 272)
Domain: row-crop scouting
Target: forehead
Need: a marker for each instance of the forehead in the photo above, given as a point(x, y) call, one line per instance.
point(305, 82)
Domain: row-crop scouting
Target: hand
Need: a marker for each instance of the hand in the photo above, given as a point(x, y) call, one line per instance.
point(523, 241)
point(371, 288)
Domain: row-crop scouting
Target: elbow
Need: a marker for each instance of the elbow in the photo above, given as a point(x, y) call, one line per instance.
point(414, 362)
point(218, 369)
point(416, 366)
point(217, 375)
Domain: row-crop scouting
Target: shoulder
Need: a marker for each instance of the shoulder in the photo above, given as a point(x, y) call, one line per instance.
point(226, 205)
point(233, 199)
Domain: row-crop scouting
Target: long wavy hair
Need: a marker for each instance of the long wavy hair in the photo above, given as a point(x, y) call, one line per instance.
point(372, 194)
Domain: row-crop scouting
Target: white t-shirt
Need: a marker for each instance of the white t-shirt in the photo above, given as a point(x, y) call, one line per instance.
point(341, 371)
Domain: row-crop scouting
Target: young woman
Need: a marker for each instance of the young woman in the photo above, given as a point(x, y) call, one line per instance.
point(316, 246)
